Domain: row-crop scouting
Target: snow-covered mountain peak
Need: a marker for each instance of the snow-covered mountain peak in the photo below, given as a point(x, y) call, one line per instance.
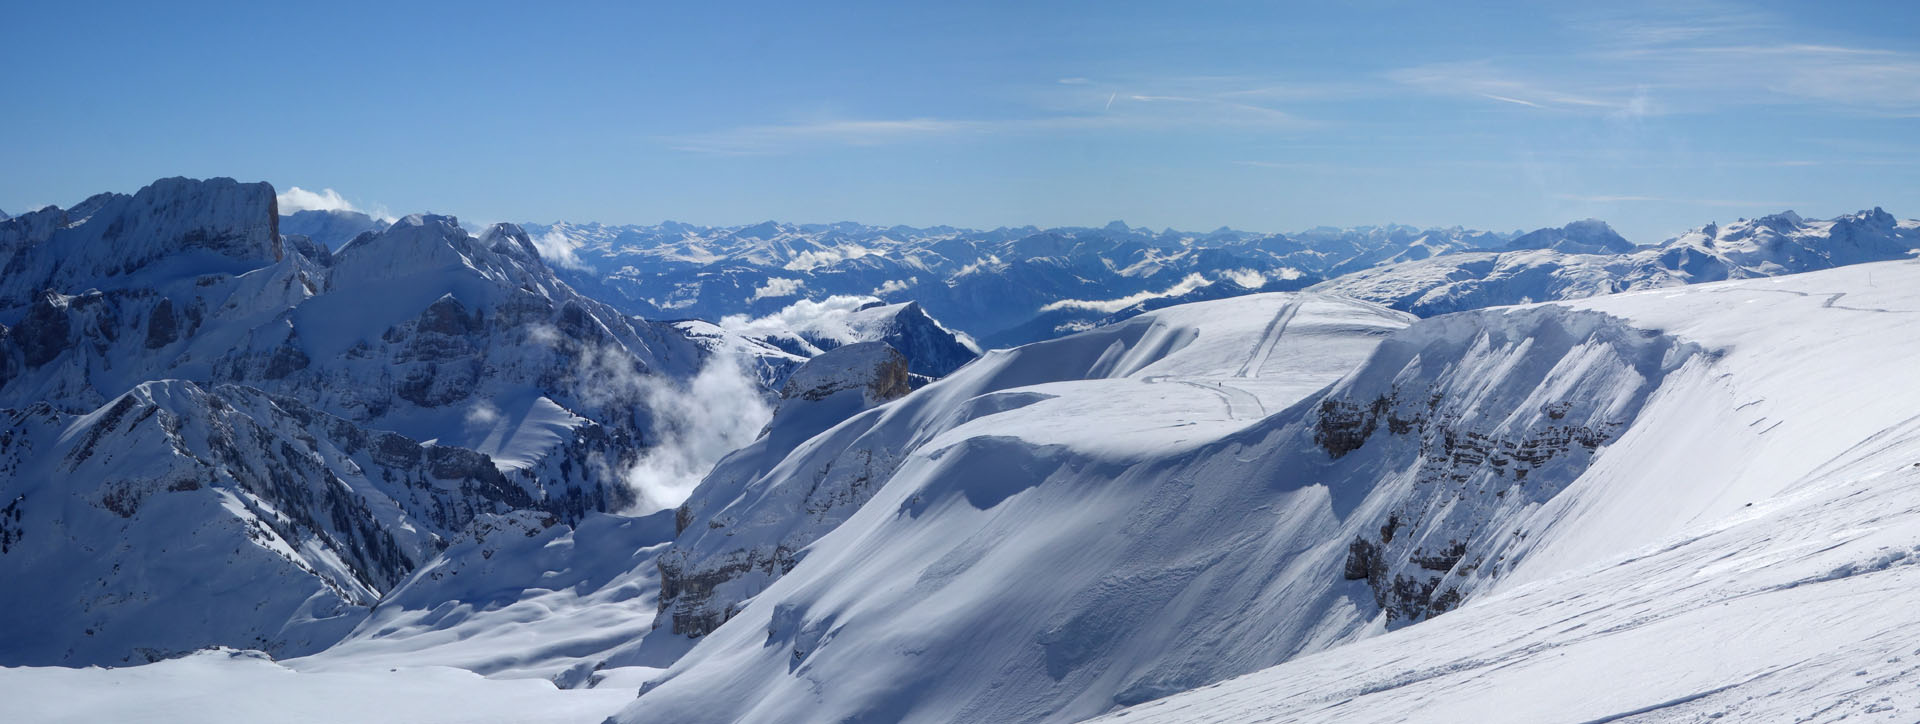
point(763, 231)
point(511, 240)
point(331, 228)
point(1586, 236)
point(116, 240)
point(1787, 219)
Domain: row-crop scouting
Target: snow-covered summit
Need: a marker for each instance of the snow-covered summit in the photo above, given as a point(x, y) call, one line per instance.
point(807, 329)
point(1587, 236)
point(116, 240)
point(331, 228)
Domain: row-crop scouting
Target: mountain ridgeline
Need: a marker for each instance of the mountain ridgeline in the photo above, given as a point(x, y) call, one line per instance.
point(374, 445)
point(1010, 286)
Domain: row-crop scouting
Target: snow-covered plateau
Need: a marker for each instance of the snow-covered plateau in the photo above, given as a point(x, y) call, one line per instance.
point(406, 471)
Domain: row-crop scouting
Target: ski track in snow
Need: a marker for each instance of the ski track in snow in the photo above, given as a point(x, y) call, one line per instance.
point(1268, 340)
point(1242, 404)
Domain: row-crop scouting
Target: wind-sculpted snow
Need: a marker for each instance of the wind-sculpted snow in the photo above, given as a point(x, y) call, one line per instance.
point(1497, 412)
point(1581, 261)
point(1744, 552)
point(965, 557)
point(979, 551)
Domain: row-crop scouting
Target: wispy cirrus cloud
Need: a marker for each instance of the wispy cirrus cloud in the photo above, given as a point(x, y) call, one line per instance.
point(784, 138)
point(1683, 57)
point(776, 137)
point(1634, 198)
point(1074, 104)
point(1495, 81)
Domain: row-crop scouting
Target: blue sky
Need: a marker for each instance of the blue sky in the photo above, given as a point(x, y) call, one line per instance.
point(1263, 116)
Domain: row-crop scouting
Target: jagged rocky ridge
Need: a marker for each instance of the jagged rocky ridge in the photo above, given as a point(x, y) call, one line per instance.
point(177, 370)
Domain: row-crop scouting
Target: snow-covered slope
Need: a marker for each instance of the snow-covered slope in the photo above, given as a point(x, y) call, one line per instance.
point(1744, 552)
point(1037, 510)
point(199, 408)
point(980, 550)
point(243, 687)
point(1585, 259)
point(522, 595)
point(400, 451)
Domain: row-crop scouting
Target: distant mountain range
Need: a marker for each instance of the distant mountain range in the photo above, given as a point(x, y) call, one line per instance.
point(1582, 261)
point(1010, 286)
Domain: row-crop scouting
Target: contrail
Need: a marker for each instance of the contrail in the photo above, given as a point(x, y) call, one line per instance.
point(1110, 101)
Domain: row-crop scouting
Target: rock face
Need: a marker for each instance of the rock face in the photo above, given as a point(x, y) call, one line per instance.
point(1476, 448)
point(875, 369)
point(1586, 259)
point(172, 364)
